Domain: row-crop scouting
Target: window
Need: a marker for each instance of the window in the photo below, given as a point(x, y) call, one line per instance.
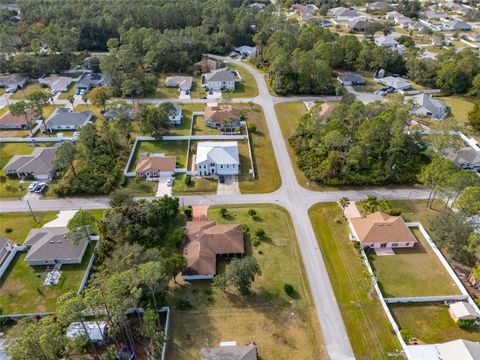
point(394, 244)
point(407, 244)
point(228, 166)
point(221, 166)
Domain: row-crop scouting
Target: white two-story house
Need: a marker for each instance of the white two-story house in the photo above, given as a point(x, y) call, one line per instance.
point(219, 80)
point(217, 158)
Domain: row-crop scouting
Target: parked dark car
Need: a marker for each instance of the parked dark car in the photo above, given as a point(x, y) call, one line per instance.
point(221, 178)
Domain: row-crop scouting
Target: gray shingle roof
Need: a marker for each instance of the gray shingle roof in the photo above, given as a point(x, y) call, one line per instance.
point(52, 244)
point(467, 155)
point(39, 162)
point(248, 352)
point(65, 117)
point(223, 76)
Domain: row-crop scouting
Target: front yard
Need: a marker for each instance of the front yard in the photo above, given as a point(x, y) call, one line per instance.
point(412, 272)
point(281, 326)
point(367, 325)
point(197, 186)
point(246, 88)
point(22, 94)
point(431, 323)
point(16, 226)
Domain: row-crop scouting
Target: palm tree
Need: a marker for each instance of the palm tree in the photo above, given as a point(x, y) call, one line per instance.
point(71, 100)
point(85, 99)
point(344, 202)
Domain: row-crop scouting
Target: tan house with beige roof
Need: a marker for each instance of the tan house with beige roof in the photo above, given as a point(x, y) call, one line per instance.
point(380, 230)
point(207, 240)
point(155, 165)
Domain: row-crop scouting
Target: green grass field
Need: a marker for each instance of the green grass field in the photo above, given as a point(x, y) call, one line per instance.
point(16, 226)
point(200, 128)
point(139, 187)
point(176, 148)
point(246, 88)
point(197, 186)
point(283, 327)
point(431, 323)
point(413, 272)
point(22, 94)
point(459, 108)
point(367, 325)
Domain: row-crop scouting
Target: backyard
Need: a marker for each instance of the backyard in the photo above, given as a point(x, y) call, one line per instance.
point(282, 327)
point(367, 325)
point(412, 272)
point(430, 323)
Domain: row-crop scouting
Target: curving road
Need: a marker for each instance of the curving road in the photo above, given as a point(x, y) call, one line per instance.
point(296, 199)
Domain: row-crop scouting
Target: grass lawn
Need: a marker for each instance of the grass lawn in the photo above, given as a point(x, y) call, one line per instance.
point(370, 86)
point(431, 323)
point(22, 94)
point(21, 223)
point(48, 110)
point(71, 91)
point(17, 133)
point(176, 148)
point(164, 92)
point(2, 91)
point(199, 127)
point(138, 187)
point(267, 178)
point(416, 210)
point(283, 327)
point(246, 88)
point(198, 186)
point(3, 110)
point(22, 289)
point(412, 272)
point(186, 124)
point(459, 108)
point(367, 325)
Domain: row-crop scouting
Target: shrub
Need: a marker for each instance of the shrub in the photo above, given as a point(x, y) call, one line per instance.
point(8, 230)
point(406, 336)
point(338, 220)
point(188, 212)
point(187, 180)
point(223, 212)
point(395, 212)
point(288, 289)
point(252, 213)
point(245, 229)
point(256, 241)
point(252, 127)
point(183, 304)
point(465, 324)
point(260, 233)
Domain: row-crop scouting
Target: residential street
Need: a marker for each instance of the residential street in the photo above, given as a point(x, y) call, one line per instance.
point(296, 199)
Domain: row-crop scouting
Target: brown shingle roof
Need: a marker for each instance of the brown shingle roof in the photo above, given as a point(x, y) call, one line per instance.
point(207, 239)
point(9, 119)
point(222, 112)
point(156, 163)
point(382, 228)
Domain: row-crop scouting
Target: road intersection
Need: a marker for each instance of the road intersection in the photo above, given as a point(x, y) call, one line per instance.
point(295, 198)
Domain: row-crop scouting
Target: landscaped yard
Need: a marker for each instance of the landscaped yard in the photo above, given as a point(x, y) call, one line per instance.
point(246, 88)
point(198, 185)
point(413, 272)
point(22, 94)
point(430, 323)
point(16, 226)
point(22, 290)
point(367, 325)
point(176, 148)
point(281, 326)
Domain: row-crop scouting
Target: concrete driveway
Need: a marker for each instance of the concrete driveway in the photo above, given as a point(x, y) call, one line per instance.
point(62, 219)
point(183, 96)
point(215, 95)
point(229, 187)
point(163, 188)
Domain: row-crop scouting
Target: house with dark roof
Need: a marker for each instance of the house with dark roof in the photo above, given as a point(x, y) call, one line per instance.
point(358, 24)
point(220, 80)
point(456, 25)
point(377, 6)
point(116, 113)
point(324, 23)
point(13, 82)
point(92, 80)
point(39, 164)
point(50, 245)
point(380, 230)
point(351, 79)
point(64, 119)
point(205, 242)
point(10, 121)
point(222, 117)
point(56, 83)
point(398, 83)
point(229, 352)
point(426, 105)
point(465, 158)
point(183, 83)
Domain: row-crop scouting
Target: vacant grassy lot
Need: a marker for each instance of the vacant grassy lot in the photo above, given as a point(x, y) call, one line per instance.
point(431, 323)
point(367, 324)
point(197, 186)
point(459, 108)
point(176, 148)
point(283, 327)
point(413, 272)
point(27, 90)
point(246, 88)
point(22, 290)
point(138, 187)
point(16, 226)
point(370, 85)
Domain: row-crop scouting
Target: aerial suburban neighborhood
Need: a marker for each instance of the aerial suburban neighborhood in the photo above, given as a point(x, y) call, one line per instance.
point(239, 180)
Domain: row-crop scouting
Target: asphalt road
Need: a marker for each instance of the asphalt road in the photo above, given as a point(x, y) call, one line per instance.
point(296, 199)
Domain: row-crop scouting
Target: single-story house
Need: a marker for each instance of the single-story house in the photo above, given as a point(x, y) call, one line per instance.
point(455, 25)
point(426, 105)
point(217, 158)
point(247, 51)
point(64, 119)
point(57, 83)
point(465, 158)
point(50, 245)
point(416, 26)
point(207, 240)
point(230, 351)
point(13, 82)
point(462, 310)
point(184, 83)
point(434, 15)
point(9, 121)
point(39, 164)
point(304, 8)
point(155, 165)
point(119, 112)
point(324, 23)
point(358, 24)
point(223, 117)
point(306, 16)
point(91, 80)
point(380, 230)
point(219, 80)
point(96, 330)
point(377, 6)
point(346, 15)
point(397, 83)
point(388, 41)
point(351, 79)
point(176, 118)
point(393, 15)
